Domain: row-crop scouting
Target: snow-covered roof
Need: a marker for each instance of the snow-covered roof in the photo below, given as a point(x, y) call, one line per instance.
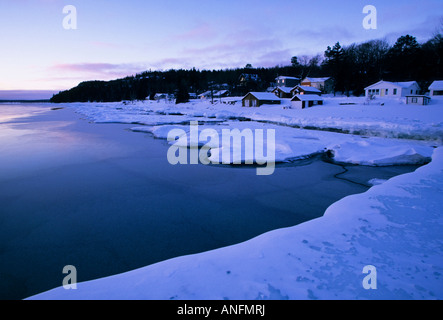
point(417, 96)
point(308, 79)
point(263, 95)
point(307, 97)
point(286, 77)
point(284, 89)
point(306, 88)
point(404, 84)
point(436, 85)
point(204, 94)
point(221, 92)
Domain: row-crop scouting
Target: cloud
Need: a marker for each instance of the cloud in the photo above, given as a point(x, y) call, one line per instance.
point(99, 71)
point(236, 52)
point(201, 32)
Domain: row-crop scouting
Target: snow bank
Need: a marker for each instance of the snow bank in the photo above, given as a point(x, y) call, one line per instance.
point(291, 143)
point(395, 226)
point(388, 118)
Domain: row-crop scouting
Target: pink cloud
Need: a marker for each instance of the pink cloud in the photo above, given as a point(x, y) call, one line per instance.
point(105, 71)
point(203, 31)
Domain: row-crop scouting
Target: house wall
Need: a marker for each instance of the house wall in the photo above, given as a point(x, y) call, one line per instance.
point(417, 100)
point(282, 94)
point(412, 90)
point(287, 83)
point(325, 86)
point(305, 104)
point(297, 104)
point(388, 90)
point(251, 101)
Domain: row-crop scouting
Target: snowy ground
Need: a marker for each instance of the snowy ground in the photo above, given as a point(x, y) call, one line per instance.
point(348, 127)
point(395, 226)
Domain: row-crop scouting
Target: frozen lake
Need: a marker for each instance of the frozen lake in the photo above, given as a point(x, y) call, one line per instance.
point(106, 200)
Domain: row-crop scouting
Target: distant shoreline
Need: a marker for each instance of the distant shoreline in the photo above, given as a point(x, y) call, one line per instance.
point(24, 101)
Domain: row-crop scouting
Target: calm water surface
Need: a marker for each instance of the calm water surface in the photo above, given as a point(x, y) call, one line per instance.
point(106, 200)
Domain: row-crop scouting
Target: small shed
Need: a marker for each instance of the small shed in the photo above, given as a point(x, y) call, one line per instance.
point(305, 90)
point(302, 101)
point(256, 99)
point(418, 99)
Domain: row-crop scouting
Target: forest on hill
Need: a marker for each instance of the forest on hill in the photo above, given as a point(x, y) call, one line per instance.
point(353, 68)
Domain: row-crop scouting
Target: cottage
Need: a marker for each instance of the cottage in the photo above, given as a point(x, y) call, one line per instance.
point(325, 84)
point(392, 89)
point(282, 92)
point(256, 99)
point(302, 101)
point(248, 78)
point(288, 82)
point(436, 88)
point(305, 90)
point(221, 94)
point(205, 95)
point(418, 99)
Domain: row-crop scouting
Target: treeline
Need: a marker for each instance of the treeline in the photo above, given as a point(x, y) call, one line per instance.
point(145, 85)
point(356, 66)
point(353, 67)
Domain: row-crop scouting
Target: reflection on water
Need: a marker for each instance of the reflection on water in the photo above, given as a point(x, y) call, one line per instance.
point(9, 112)
point(106, 200)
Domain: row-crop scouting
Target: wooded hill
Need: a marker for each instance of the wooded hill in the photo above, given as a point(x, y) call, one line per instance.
point(353, 67)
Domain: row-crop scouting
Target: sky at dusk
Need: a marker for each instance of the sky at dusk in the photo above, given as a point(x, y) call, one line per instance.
point(114, 38)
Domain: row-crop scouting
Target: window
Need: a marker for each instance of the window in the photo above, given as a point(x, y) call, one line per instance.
point(377, 91)
point(414, 100)
point(387, 92)
point(395, 92)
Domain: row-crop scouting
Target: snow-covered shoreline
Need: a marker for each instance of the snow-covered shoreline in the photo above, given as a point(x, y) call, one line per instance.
point(348, 128)
point(395, 226)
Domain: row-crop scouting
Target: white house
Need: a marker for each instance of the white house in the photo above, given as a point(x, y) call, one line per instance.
point(436, 88)
point(392, 89)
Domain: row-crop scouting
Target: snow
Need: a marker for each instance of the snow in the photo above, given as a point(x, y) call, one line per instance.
point(294, 143)
point(307, 97)
point(395, 227)
point(436, 85)
point(307, 79)
point(284, 89)
point(286, 77)
point(264, 95)
point(310, 89)
point(404, 85)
